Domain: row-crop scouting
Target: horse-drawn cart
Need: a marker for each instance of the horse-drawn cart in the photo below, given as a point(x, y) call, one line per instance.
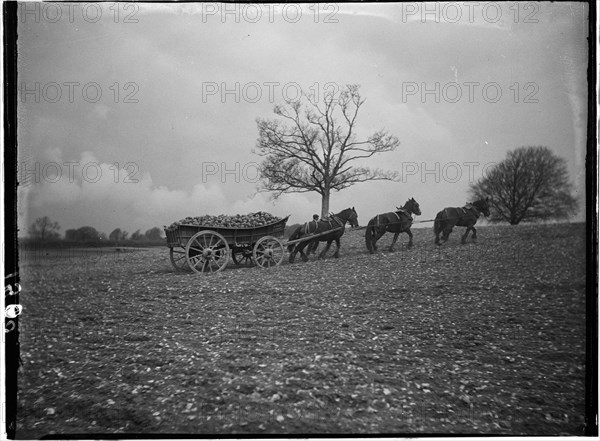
point(203, 248)
point(207, 248)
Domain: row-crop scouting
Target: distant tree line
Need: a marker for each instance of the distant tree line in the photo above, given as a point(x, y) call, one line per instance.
point(44, 230)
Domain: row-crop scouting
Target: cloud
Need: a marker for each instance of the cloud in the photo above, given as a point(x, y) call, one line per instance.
point(89, 192)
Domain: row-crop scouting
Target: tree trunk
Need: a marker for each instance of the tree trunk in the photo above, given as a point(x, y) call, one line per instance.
point(325, 204)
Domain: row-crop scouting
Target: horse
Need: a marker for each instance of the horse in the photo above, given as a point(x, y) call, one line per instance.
point(461, 217)
point(334, 221)
point(396, 222)
point(305, 230)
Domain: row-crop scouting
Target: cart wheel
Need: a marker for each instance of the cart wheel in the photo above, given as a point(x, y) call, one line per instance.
point(178, 259)
point(268, 252)
point(207, 251)
point(242, 255)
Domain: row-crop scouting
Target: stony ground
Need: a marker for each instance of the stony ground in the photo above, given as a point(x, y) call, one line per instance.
point(483, 338)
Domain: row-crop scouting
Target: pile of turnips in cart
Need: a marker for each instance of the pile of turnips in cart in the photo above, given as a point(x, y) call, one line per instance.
point(249, 220)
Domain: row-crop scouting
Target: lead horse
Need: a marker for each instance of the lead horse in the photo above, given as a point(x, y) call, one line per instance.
point(336, 222)
point(466, 216)
point(396, 222)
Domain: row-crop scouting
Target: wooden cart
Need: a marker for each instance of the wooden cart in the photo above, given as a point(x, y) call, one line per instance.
point(205, 249)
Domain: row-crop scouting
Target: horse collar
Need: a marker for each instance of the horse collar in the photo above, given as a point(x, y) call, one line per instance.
point(470, 207)
point(404, 211)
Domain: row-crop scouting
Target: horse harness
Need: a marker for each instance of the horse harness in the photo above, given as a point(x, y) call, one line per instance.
point(403, 211)
point(400, 210)
point(469, 207)
point(336, 219)
point(465, 210)
point(307, 227)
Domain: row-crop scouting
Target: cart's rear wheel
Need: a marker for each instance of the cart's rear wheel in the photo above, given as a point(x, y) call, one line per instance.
point(242, 255)
point(178, 259)
point(207, 251)
point(268, 252)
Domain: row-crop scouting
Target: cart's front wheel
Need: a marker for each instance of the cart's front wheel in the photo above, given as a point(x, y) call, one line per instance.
point(178, 259)
point(207, 251)
point(268, 252)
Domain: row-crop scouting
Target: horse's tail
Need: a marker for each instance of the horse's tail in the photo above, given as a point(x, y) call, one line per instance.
point(437, 223)
point(295, 235)
point(369, 233)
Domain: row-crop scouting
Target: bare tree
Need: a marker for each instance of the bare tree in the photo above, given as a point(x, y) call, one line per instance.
point(532, 183)
point(313, 148)
point(43, 229)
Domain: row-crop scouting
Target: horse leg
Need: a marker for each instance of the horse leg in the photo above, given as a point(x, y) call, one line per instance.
point(474, 238)
point(302, 255)
point(464, 236)
point(373, 245)
point(312, 248)
point(337, 250)
point(410, 238)
point(437, 238)
point(308, 249)
point(293, 254)
point(378, 236)
point(375, 238)
point(438, 227)
point(322, 253)
point(446, 234)
point(391, 248)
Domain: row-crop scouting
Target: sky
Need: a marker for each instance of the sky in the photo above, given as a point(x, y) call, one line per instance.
point(137, 115)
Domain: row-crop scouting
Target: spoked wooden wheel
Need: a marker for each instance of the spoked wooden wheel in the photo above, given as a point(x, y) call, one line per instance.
point(207, 252)
point(268, 252)
point(242, 255)
point(178, 259)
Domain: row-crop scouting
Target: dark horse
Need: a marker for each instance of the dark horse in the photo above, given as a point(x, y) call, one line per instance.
point(461, 217)
point(334, 221)
point(396, 222)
